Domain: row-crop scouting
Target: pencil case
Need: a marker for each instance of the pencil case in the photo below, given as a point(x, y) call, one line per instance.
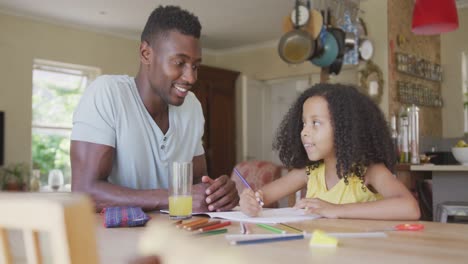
point(124, 217)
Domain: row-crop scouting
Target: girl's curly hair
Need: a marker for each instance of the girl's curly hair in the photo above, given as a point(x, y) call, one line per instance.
point(361, 134)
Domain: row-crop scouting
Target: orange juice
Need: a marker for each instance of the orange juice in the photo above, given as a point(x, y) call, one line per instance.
point(180, 206)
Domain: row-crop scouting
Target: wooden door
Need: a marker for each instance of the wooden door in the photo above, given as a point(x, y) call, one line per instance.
point(215, 89)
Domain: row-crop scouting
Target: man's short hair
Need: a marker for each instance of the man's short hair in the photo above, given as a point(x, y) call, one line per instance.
point(166, 18)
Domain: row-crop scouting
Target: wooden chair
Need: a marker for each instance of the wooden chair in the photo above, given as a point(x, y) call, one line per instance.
point(66, 219)
point(257, 174)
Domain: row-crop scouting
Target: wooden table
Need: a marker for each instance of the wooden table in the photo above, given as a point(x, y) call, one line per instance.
point(438, 243)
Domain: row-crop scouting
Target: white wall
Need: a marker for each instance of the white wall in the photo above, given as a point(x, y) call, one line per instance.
point(452, 46)
point(22, 40)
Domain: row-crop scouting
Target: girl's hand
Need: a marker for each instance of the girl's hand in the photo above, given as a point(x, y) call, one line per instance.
point(249, 202)
point(320, 207)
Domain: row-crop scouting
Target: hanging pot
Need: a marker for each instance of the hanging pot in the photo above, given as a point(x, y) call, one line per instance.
point(296, 46)
point(335, 67)
point(330, 51)
point(339, 35)
point(366, 49)
point(350, 40)
point(314, 26)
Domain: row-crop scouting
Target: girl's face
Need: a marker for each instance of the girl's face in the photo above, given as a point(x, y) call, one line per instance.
point(317, 133)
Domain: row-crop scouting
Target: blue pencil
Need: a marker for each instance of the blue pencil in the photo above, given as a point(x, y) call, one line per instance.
point(246, 184)
point(267, 240)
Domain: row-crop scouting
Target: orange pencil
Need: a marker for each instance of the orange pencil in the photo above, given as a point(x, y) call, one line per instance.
point(213, 227)
point(195, 222)
point(178, 222)
point(196, 227)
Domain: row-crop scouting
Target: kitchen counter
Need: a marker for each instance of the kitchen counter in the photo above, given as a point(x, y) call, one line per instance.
point(432, 167)
point(449, 182)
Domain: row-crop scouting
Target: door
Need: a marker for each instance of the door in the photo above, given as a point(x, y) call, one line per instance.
point(215, 89)
point(253, 118)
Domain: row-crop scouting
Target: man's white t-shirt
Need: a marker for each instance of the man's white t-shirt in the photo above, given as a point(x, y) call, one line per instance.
point(112, 113)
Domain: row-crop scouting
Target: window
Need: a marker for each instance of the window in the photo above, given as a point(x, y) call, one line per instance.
point(57, 88)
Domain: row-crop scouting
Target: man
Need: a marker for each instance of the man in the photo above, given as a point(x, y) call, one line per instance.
point(128, 131)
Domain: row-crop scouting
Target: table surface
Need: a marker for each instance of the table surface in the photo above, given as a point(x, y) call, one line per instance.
point(437, 243)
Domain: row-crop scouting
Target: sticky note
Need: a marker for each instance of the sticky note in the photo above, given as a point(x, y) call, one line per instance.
point(321, 239)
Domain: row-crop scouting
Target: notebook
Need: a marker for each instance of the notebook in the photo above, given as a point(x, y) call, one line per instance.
point(267, 216)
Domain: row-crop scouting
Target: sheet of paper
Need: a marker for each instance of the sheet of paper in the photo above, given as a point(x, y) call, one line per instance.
point(267, 216)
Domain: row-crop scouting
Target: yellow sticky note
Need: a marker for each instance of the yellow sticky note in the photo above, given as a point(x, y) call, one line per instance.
point(320, 238)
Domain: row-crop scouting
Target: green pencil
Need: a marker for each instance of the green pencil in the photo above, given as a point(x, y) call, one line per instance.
point(271, 228)
point(213, 232)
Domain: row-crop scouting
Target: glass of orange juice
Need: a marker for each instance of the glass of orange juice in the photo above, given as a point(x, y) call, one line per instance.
point(180, 190)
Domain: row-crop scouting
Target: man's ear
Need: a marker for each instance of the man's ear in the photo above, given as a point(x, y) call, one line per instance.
point(146, 53)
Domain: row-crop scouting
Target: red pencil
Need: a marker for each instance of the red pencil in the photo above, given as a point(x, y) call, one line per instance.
point(213, 227)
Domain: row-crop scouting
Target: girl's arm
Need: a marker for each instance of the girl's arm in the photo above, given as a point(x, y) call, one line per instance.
point(290, 183)
point(295, 180)
point(397, 203)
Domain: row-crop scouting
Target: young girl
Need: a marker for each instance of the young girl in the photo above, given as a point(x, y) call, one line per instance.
point(337, 142)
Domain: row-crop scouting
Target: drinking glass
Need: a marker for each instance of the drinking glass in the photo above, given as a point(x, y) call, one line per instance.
point(55, 179)
point(180, 191)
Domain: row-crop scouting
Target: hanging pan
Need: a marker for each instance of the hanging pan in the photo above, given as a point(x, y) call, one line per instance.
point(339, 35)
point(296, 46)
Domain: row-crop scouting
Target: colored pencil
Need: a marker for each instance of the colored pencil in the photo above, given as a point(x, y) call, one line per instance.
point(271, 228)
point(178, 222)
point(213, 232)
point(196, 227)
point(213, 227)
point(291, 228)
point(242, 228)
point(266, 240)
point(257, 236)
point(195, 222)
point(236, 171)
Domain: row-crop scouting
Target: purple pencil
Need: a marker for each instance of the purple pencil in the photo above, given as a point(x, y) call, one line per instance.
point(247, 184)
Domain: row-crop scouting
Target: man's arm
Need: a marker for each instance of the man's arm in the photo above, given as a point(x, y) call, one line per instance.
point(91, 165)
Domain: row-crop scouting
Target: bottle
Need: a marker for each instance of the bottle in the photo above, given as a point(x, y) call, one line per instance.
point(395, 136)
point(404, 150)
point(35, 182)
point(413, 117)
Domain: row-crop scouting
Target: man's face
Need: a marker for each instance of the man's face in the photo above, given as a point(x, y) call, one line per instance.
point(173, 66)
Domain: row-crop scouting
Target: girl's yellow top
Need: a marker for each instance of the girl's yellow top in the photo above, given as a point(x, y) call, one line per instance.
point(341, 193)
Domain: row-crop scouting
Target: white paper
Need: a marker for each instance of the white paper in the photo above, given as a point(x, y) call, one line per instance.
point(267, 216)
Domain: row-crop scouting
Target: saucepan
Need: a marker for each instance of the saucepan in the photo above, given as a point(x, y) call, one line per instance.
point(330, 51)
point(296, 46)
point(339, 35)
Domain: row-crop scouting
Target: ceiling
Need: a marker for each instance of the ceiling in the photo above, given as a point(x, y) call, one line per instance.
point(226, 23)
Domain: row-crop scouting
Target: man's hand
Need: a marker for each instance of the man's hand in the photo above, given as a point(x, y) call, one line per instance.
point(221, 194)
point(199, 198)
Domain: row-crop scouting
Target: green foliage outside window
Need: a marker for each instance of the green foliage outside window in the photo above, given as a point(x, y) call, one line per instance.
point(51, 152)
point(55, 97)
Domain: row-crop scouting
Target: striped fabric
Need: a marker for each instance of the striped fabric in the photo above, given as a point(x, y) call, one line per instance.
point(124, 217)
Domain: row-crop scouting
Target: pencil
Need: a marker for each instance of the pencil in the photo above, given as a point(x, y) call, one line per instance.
point(271, 228)
point(196, 227)
point(213, 232)
point(291, 228)
point(236, 171)
point(178, 222)
point(267, 240)
point(242, 228)
point(213, 227)
point(195, 222)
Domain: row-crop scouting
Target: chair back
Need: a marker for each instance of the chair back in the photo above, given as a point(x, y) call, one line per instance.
point(257, 174)
point(66, 219)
